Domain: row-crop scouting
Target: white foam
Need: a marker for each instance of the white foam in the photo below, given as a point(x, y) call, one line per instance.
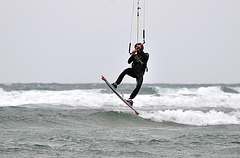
point(192, 97)
point(189, 91)
point(228, 101)
point(168, 99)
point(190, 117)
point(96, 98)
point(72, 97)
point(236, 89)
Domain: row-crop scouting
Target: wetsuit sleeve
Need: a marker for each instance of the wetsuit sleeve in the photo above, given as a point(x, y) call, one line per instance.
point(145, 56)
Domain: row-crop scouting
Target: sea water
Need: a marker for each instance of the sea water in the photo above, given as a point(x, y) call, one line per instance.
point(88, 120)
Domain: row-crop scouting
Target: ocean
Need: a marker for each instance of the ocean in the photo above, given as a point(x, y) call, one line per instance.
point(88, 120)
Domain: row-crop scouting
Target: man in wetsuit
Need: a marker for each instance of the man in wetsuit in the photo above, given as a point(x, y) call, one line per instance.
point(139, 65)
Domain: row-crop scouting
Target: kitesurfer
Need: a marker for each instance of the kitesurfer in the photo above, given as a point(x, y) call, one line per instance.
point(139, 61)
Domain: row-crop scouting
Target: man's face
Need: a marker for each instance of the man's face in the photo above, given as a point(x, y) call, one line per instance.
point(138, 47)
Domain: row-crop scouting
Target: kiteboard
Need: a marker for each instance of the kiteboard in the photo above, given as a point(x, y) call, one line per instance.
point(117, 93)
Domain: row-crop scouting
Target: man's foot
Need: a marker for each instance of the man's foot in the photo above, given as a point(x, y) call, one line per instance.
point(114, 85)
point(129, 101)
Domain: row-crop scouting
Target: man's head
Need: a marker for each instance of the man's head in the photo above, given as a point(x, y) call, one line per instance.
point(139, 46)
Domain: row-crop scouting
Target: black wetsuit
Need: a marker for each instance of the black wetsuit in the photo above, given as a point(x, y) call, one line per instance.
point(139, 65)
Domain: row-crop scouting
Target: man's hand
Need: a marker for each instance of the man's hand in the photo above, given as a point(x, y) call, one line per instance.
point(134, 51)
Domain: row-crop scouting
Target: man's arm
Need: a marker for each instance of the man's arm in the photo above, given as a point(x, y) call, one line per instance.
point(130, 59)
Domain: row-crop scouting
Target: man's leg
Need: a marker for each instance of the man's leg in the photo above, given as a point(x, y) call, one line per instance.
point(127, 71)
point(138, 86)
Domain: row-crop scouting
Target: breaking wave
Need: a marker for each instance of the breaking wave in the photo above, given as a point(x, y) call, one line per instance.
point(192, 105)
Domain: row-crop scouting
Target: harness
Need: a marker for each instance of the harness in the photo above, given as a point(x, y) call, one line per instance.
point(139, 59)
point(142, 62)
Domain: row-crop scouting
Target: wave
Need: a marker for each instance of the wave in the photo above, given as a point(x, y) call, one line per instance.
point(183, 104)
point(71, 98)
point(190, 117)
point(197, 90)
point(48, 86)
point(102, 97)
point(187, 117)
point(117, 117)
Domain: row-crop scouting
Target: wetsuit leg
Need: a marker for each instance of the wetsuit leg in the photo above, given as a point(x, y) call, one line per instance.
point(139, 79)
point(127, 71)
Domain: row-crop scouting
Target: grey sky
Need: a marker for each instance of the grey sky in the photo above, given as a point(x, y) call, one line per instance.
point(75, 41)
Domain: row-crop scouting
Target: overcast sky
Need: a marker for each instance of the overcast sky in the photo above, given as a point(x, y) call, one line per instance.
point(76, 41)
